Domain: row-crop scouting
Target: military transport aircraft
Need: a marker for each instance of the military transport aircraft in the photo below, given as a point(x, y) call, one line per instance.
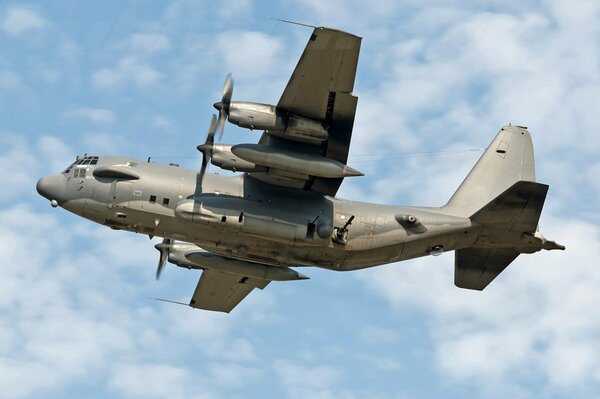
point(244, 231)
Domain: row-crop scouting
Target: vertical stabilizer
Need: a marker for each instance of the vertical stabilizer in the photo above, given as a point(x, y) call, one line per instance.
point(507, 160)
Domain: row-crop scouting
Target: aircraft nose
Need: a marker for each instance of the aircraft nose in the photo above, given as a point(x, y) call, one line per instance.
point(52, 187)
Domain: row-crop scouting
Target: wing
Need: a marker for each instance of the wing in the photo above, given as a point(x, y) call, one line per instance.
point(327, 67)
point(220, 291)
point(319, 91)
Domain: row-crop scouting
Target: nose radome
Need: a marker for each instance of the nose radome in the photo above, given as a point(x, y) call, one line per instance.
point(52, 187)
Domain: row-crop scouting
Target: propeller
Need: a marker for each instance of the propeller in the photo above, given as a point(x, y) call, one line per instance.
point(223, 105)
point(207, 150)
point(164, 247)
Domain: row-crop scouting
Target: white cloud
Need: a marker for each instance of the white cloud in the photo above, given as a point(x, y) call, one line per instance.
point(129, 70)
point(231, 9)
point(154, 380)
point(232, 374)
point(345, 14)
point(53, 154)
point(65, 327)
point(22, 163)
point(249, 55)
point(18, 20)
point(302, 381)
point(446, 76)
point(73, 341)
point(534, 317)
point(94, 115)
point(15, 179)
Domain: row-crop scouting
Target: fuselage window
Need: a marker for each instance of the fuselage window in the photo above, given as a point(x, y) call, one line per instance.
point(153, 198)
point(165, 201)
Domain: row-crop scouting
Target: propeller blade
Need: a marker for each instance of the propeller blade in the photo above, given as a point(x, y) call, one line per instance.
point(223, 105)
point(227, 90)
point(164, 248)
point(210, 137)
point(207, 150)
point(200, 175)
point(222, 119)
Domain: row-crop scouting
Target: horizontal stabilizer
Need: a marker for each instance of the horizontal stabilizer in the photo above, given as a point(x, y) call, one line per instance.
point(475, 268)
point(517, 209)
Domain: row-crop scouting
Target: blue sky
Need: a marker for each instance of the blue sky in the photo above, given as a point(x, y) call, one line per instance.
point(139, 78)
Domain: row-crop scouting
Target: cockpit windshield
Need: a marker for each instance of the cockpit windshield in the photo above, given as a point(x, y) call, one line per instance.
point(85, 160)
point(66, 171)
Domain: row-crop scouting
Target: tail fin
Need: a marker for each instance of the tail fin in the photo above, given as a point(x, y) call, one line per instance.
point(507, 160)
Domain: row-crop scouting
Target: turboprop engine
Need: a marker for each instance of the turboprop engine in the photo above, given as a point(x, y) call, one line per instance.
point(268, 117)
point(189, 256)
point(260, 116)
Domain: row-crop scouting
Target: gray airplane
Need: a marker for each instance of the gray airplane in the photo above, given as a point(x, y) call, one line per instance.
point(246, 230)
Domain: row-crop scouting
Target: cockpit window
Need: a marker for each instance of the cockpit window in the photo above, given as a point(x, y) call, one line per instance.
point(66, 171)
point(87, 160)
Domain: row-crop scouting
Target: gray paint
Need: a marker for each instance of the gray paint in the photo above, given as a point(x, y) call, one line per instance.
point(275, 220)
point(247, 230)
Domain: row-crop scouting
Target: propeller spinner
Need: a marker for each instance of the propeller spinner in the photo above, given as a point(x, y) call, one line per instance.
point(223, 105)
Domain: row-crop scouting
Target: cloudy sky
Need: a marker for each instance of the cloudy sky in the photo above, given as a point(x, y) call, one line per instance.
point(435, 81)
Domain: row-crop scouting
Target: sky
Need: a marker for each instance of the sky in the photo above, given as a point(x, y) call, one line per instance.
point(436, 80)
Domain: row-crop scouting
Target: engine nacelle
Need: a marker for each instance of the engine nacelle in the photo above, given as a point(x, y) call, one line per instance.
point(225, 159)
point(257, 116)
point(268, 117)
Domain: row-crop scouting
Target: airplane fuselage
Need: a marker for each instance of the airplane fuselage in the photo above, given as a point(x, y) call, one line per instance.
point(245, 231)
point(243, 218)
